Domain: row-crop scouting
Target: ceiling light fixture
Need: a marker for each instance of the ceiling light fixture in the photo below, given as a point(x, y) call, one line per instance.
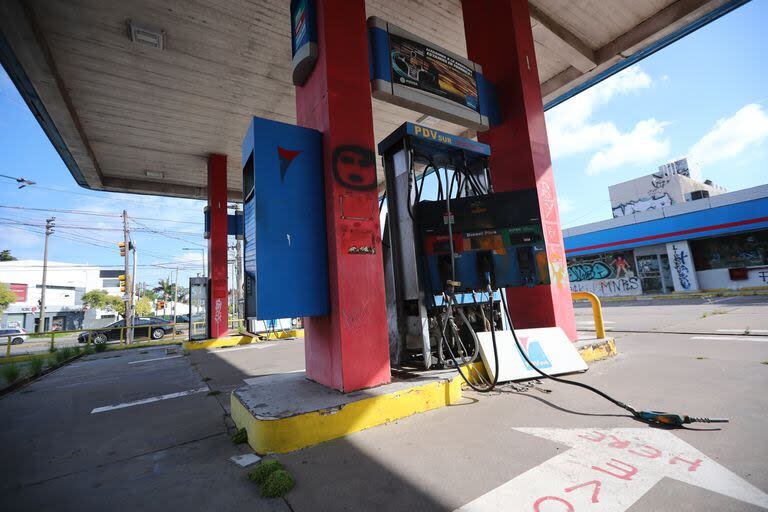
point(148, 35)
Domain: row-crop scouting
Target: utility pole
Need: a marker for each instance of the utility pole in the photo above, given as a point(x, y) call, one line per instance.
point(239, 273)
point(175, 296)
point(128, 297)
point(133, 275)
point(49, 225)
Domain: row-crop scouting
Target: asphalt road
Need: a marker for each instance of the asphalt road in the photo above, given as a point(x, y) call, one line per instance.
point(721, 316)
point(547, 447)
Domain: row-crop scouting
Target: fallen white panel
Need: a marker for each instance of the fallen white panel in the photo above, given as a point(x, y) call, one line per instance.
point(245, 460)
point(548, 348)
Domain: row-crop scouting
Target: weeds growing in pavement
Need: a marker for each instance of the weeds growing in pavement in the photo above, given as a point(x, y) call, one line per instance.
point(240, 437)
point(265, 468)
point(277, 484)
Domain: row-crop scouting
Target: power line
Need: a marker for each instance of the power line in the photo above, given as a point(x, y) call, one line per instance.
point(95, 213)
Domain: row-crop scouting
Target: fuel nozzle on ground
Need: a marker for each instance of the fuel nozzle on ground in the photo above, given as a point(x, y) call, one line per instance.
point(674, 420)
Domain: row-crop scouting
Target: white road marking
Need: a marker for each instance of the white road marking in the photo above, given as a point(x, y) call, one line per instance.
point(143, 401)
point(613, 467)
point(730, 338)
point(744, 331)
point(154, 359)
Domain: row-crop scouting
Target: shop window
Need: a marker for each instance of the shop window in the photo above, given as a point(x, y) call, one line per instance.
point(742, 250)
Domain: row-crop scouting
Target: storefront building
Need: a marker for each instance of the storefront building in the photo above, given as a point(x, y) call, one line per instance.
point(67, 282)
point(715, 241)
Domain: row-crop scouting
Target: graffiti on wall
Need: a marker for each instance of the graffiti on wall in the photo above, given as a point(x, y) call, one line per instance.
point(610, 287)
point(680, 259)
point(605, 275)
point(657, 197)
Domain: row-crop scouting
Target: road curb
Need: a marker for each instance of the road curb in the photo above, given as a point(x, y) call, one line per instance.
point(597, 349)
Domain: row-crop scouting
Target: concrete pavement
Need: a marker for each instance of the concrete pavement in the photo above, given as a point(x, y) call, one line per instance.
point(175, 452)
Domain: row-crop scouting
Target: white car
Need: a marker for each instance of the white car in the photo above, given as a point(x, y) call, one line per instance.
point(17, 336)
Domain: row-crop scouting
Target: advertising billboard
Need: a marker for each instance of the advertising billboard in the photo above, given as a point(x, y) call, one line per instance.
point(411, 72)
point(428, 69)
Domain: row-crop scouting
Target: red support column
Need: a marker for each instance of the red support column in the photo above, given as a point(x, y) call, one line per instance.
point(347, 350)
point(217, 246)
point(499, 38)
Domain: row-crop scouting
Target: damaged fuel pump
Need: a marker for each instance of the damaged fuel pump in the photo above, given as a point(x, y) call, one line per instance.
point(450, 244)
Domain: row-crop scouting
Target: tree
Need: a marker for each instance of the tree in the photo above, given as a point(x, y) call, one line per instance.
point(165, 290)
point(96, 299)
point(100, 299)
point(5, 255)
point(7, 297)
point(148, 292)
point(143, 307)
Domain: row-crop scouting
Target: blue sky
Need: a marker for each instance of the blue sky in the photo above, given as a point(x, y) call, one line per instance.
point(706, 97)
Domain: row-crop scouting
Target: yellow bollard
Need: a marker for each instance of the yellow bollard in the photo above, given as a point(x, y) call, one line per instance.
point(597, 311)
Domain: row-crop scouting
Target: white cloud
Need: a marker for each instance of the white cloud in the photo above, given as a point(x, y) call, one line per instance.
point(569, 125)
point(572, 130)
point(641, 146)
point(565, 205)
point(732, 135)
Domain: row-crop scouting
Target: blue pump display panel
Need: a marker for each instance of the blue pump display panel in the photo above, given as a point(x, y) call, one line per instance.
point(286, 258)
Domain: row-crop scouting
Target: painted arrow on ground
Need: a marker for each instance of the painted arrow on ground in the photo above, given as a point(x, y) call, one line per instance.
point(607, 470)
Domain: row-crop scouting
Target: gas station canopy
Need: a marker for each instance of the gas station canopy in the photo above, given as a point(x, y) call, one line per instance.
point(135, 95)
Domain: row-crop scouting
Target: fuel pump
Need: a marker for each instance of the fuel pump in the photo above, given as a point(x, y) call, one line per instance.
point(450, 244)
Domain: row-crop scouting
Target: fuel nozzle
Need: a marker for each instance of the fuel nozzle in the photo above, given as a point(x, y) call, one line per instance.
point(674, 420)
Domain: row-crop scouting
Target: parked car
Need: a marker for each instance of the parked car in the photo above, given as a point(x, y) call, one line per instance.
point(17, 335)
point(154, 328)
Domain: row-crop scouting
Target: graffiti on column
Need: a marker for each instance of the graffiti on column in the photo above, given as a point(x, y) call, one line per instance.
point(354, 167)
point(679, 257)
point(605, 275)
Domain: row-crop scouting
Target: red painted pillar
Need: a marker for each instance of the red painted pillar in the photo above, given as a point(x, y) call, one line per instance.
point(499, 38)
point(217, 246)
point(348, 349)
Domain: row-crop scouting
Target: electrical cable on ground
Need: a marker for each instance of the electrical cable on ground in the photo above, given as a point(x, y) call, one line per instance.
point(651, 417)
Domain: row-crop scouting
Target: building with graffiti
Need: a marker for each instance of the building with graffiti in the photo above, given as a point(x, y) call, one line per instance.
point(672, 234)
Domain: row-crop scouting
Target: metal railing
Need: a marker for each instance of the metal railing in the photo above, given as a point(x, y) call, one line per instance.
point(597, 310)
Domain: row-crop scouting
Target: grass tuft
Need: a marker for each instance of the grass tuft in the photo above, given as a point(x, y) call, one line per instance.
point(260, 473)
point(36, 366)
point(100, 347)
point(10, 372)
point(240, 437)
point(277, 484)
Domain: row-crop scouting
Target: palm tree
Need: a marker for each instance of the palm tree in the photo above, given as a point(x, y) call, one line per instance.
point(165, 288)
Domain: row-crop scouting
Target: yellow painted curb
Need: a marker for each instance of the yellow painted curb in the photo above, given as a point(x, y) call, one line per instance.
point(229, 341)
point(601, 349)
point(291, 333)
point(281, 435)
point(242, 339)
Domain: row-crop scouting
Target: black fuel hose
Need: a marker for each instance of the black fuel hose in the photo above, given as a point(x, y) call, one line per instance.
point(558, 379)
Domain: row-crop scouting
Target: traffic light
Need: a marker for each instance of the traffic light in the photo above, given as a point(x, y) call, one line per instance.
point(121, 245)
point(121, 278)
